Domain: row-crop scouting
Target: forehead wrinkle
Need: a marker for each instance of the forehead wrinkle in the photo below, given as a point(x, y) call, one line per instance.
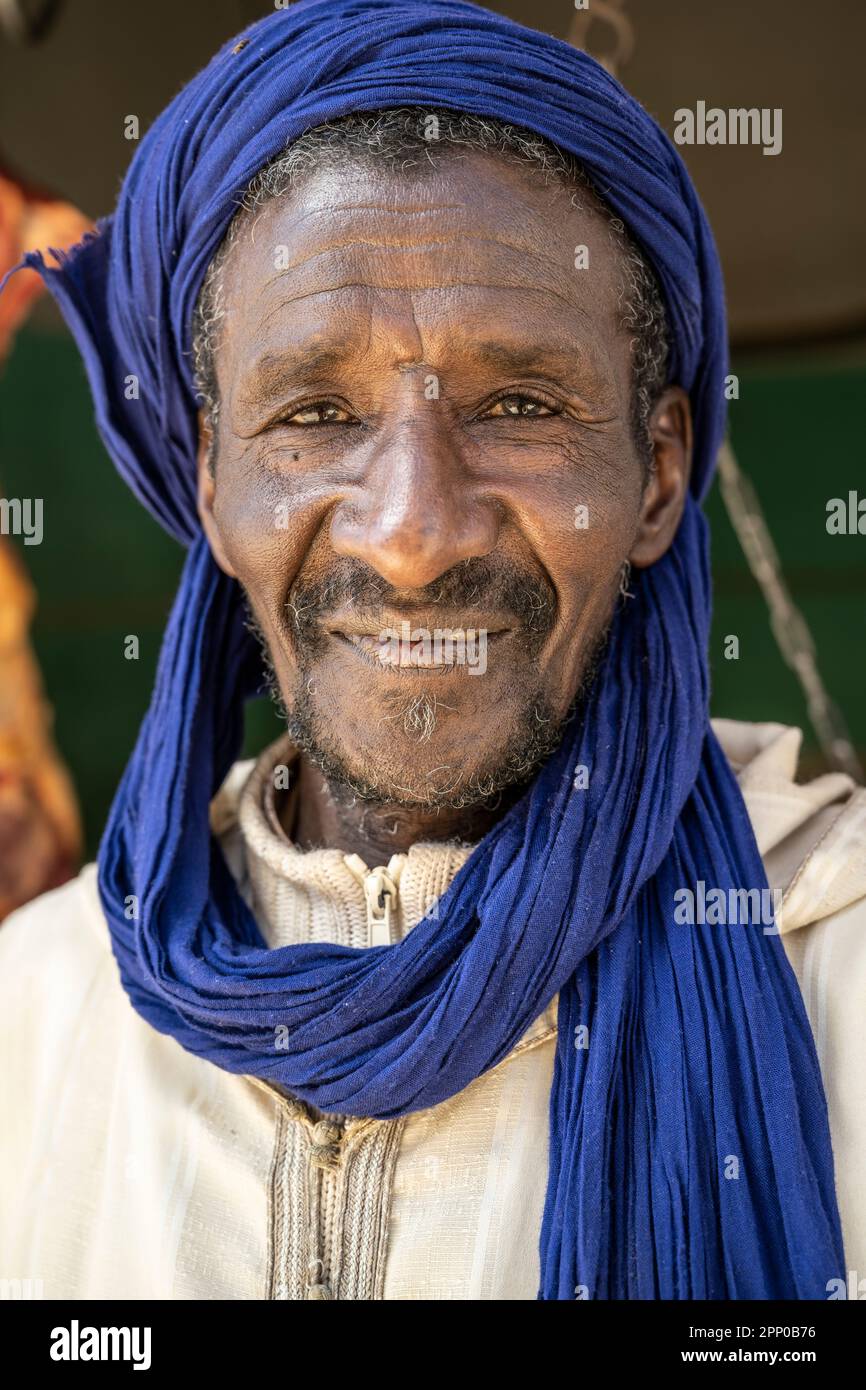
point(284, 205)
point(495, 352)
point(296, 224)
point(524, 252)
point(546, 291)
point(391, 209)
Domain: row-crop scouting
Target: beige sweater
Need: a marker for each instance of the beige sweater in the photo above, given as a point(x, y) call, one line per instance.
point(130, 1168)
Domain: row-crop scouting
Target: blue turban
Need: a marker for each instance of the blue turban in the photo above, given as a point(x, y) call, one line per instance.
point(689, 1144)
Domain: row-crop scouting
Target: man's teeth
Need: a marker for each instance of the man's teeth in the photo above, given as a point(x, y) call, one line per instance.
point(393, 651)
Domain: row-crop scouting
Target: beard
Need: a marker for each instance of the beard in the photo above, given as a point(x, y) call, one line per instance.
point(413, 718)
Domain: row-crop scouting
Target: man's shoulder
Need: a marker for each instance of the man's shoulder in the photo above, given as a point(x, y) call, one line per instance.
point(811, 833)
point(62, 1007)
point(56, 936)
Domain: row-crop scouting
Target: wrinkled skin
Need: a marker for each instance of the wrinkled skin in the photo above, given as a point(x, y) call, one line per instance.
point(410, 413)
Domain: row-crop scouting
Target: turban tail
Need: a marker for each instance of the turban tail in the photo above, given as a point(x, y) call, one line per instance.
point(689, 1144)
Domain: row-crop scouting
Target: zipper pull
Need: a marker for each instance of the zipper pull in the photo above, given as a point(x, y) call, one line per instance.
point(380, 894)
point(380, 891)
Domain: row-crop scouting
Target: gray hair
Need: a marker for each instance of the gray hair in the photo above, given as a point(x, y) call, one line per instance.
point(407, 139)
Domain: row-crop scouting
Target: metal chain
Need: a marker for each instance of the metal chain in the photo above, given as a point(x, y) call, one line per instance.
point(789, 627)
point(610, 12)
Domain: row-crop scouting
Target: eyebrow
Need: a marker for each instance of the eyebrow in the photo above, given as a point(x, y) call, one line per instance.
point(510, 358)
point(268, 374)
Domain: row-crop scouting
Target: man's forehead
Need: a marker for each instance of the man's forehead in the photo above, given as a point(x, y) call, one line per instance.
point(473, 214)
point(336, 253)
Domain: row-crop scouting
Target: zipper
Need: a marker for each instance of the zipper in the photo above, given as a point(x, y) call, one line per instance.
point(326, 1134)
point(381, 889)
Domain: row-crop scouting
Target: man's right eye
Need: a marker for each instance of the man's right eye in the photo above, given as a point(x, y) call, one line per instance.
point(317, 413)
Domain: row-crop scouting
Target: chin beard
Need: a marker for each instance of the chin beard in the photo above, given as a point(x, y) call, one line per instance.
point(536, 734)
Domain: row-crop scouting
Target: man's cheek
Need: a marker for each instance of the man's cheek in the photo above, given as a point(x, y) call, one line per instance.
point(260, 534)
point(589, 562)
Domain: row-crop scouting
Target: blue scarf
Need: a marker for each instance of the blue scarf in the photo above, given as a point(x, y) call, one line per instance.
point(689, 1144)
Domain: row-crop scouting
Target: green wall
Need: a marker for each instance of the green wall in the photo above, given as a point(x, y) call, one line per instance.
point(797, 432)
point(104, 569)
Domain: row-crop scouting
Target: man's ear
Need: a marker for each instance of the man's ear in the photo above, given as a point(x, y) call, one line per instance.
point(670, 426)
point(207, 494)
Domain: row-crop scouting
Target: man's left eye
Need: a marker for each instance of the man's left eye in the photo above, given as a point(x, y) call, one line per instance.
point(319, 413)
point(519, 408)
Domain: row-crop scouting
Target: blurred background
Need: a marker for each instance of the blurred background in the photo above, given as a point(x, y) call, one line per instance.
point(792, 233)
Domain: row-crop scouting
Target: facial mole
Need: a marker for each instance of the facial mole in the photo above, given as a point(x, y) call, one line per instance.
point(295, 456)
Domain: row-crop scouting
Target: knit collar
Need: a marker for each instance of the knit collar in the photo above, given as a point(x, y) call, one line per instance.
point(322, 894)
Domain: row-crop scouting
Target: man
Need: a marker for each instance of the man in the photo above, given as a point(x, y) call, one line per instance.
point(426, 329)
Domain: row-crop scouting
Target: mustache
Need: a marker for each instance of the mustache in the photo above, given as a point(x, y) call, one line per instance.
point(476, 584)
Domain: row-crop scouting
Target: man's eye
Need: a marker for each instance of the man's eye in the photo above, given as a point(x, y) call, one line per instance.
point(319, 413)
point(519, 408)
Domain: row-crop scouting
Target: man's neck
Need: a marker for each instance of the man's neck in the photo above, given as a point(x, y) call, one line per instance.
point(319, 816)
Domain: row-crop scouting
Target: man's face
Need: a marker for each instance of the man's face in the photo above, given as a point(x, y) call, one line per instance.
point(425, 475)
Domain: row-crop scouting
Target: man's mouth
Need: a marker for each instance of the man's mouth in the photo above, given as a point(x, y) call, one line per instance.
point(407, 646)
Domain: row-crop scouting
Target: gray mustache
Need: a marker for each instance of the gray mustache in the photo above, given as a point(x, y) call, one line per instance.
point(475, 584)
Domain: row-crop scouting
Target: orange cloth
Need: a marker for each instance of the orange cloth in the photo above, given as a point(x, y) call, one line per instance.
point(29, 224)
point(40, 831)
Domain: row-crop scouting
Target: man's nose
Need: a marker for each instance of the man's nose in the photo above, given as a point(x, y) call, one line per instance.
point(416, 513)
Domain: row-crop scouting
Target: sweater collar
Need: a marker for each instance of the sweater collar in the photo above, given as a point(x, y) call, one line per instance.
point(322, 894)
point(318, 895)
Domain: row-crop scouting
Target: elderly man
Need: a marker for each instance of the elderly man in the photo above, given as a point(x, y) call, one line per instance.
point(409, 324)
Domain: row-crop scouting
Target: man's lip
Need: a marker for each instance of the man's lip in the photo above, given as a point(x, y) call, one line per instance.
point(464, 651)
point(351, 625)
